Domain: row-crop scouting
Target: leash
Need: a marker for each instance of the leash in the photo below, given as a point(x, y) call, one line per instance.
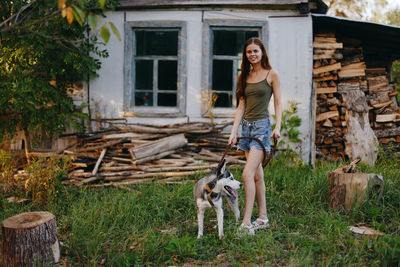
point(264, 163)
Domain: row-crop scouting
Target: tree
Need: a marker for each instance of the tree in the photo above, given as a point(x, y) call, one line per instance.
point(46, 48)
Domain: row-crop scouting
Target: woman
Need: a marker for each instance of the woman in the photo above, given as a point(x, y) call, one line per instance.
point(257, 82)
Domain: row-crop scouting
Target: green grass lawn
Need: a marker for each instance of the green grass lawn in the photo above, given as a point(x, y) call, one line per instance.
point(156, 225)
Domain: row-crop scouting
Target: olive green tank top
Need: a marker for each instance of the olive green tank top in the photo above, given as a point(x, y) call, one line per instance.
point(257, 97)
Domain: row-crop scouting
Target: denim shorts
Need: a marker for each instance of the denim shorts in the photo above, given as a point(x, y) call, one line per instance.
point(260, 129)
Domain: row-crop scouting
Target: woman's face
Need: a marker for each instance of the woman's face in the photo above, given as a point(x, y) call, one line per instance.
point(253, 53)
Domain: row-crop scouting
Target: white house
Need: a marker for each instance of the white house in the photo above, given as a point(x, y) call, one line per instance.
point(176, 56)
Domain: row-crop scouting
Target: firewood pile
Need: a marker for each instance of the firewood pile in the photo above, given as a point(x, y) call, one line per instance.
point(339, 67)
point(131, 154)
point(384, 112)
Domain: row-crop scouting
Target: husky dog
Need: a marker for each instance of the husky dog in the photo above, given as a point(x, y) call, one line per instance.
point(208, 193)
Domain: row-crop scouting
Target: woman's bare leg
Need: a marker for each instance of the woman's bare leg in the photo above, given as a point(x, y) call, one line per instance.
point(254, 158)
point(260, 193)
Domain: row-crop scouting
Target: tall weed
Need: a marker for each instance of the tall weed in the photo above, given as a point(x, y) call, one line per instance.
point(44, 178)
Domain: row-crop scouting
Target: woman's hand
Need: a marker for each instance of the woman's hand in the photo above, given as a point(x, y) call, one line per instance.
point(276, 134)
point(232, 139)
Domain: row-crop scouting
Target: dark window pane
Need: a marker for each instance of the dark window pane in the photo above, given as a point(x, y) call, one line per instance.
point(156, 43)
point(167, 100)
point(230, 42)
point(143, 99)
point(223, 100)
point(167, 75)
point(222, 75)
point(144, 74)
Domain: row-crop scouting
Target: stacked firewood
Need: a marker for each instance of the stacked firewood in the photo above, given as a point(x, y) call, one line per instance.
point(340, 67)
point(330, 109)
point(131, 154)
point(384, 112)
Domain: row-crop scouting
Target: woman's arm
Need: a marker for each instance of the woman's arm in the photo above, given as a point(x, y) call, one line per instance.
point(238, 118)
point(276, 86)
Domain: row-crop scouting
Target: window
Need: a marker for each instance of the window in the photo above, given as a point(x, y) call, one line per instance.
point(224, 53)
point(154, 68)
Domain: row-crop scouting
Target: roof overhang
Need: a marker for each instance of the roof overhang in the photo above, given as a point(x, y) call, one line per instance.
point(376, 37)
point(304, 6)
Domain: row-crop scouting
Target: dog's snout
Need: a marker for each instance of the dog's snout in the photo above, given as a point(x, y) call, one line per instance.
point(240, 185)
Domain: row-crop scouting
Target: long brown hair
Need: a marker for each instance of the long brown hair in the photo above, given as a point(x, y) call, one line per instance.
point(245, 67)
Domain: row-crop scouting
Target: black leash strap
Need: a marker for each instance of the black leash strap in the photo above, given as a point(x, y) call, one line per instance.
point(266, 158)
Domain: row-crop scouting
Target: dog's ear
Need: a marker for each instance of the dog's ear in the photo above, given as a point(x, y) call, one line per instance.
point(221, 168)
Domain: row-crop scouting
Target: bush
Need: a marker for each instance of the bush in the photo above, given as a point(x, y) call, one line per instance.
point(8, 182)
point(44, 178)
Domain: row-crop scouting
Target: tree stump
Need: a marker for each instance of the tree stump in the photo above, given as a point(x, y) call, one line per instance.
point(30, 238)
point(347, 188)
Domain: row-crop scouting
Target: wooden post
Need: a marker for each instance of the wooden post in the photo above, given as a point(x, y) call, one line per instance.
point(30, 238)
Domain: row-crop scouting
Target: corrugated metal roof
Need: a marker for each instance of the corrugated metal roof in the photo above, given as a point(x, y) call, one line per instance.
point(374, 36)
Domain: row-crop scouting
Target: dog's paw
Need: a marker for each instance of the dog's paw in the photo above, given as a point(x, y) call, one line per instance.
point(199, 236)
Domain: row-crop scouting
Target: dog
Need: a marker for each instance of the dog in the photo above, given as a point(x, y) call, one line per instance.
point(209, 192)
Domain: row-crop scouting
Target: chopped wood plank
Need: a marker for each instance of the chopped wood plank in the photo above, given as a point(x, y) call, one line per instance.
point(112, 143)
point(376, 70)
point(326, 90)
point(351, 73)
point(384, 104)
point(123, 136)
point(386, 117)
point(327, 123)
point(153, 157)
point(327, 45)
point(359, 65)
point(325, 39)
point(323, 69)
point(327, 115)
point(326, 78)
point(96, 167)
point(162, 145)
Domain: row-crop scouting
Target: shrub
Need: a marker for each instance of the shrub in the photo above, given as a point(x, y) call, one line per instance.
point(44, 178)
point(8, 182)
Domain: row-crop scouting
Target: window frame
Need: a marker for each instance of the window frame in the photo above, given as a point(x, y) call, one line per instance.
point(208, 27)
point(129, 70)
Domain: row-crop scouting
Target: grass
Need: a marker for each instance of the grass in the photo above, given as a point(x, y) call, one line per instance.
point(156, 225)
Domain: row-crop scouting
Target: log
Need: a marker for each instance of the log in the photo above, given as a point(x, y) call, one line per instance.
point(348, 73)
point(387, 132)
point(346, 189)
point(30, 238)
point(326, 90)
point(386, 117)
point(327, 45)
point(162, 145)
point(96, 167)
point(325, 78)
point(360, 139)
point(327, 115)
point(332, 67)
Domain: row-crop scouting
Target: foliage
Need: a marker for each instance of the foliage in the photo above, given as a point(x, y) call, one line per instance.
point(156, 224)
point(42, 58)
point(44, 178)
point(8, 182)
point(289, 125)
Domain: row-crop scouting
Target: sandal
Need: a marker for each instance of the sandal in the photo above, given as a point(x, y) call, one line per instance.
point(245, 230)
point(260, 224)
